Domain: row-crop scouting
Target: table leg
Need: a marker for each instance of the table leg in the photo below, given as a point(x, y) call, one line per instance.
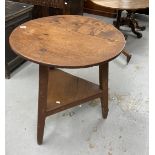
point(42, 101)
point(117, 23)
point(103, 79)
point(7, 71)
point(130, 21)
point(127, 55)
point(142, 28)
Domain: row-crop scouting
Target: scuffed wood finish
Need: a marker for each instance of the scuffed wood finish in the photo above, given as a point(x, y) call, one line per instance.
point(123, 4)
point(67, 41)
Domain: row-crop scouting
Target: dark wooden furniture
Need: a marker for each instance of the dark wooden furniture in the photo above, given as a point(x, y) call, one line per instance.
point(93, 8)
point(43, 8)
point(143, 11)
point(67, 42)
point(16, 14)
point(131, 7)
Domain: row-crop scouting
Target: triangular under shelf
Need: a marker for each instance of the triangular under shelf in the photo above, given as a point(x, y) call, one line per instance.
point(66, 91)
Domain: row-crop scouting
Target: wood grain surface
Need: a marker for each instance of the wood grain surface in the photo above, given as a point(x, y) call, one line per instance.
point(67, 91)
point(67, 41)
point(123, 4)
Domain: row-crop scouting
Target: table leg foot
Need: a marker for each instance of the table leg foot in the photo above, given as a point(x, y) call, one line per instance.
point(7, 76)
point(7, 71)
point(104, 108)
point(142, 28)
point(115, 23)
point(42, 102)
point(125, 36)
point(139, 35)
point(104, 115)
point(132, 26)
point(40, 130)
point(128, 58)
point(127, 55)
point(103, 78)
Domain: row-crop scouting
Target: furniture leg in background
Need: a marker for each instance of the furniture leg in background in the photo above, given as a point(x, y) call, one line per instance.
point(16, 14)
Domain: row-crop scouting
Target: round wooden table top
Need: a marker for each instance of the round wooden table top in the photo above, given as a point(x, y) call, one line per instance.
point(123, 4)
point(67, 41)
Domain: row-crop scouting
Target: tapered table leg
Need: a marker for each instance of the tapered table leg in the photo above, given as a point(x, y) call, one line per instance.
point(103, 79)
point(42, 101)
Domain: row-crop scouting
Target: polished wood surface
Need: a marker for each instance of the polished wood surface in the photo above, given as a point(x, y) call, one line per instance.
point(123, 4)
point(67, 41)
